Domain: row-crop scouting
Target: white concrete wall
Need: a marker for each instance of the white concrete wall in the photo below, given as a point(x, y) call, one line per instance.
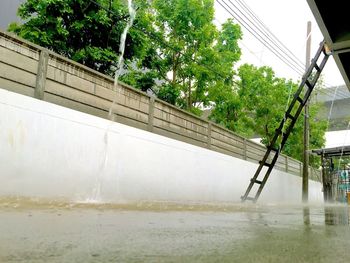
point(53, 152)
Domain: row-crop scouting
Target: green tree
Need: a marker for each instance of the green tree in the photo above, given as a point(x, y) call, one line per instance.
point(264, 97)
point(196, 57)
point(173, 47)
point(294, 145)
point(257, 105)
point(81, 30)
point(229, 111)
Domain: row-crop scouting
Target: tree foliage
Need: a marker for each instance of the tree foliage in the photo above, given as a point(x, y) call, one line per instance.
point(173, 47)
point(257, 107)
point(189, 59)
point(84, 31)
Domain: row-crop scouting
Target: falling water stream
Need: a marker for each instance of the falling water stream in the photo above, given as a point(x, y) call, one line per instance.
point(96, 196)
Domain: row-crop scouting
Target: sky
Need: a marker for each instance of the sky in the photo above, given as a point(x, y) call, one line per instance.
point(337, 138)
point(287, 20)
point(8, 9)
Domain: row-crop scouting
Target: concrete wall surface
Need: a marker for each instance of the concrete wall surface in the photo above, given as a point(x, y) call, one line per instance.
point(53, 152)
point(33, 71)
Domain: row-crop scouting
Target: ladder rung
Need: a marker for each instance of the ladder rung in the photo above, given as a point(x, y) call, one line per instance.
point(250, 198)
point(274, 148)
point(290, 116)
point(307, 82)
point(317, 68)
point(265, 163)
point(255, 181)
point(300, 100)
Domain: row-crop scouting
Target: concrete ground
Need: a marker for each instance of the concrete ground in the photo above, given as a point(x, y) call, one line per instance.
point(160, 232)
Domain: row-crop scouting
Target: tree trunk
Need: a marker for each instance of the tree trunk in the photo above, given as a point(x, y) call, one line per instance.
point(189, 98)
point(174, 68)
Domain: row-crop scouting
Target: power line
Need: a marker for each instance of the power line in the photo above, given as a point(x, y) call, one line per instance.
point(258, 20)
point(156, 38)
point(260, 26)
point(241, 18)
point(257, 35)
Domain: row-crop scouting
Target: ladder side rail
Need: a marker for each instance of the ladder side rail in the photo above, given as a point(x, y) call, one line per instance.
point(279, 131)
point(305, 76)
point(266, 176)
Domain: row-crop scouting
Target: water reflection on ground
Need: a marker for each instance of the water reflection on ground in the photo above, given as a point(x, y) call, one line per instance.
point(336, 215)
point(33, 231)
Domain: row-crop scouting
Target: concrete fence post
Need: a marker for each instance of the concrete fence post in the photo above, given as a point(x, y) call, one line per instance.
point(209, 135)
point(150, 114)
point(244, 149)
point(41, 75)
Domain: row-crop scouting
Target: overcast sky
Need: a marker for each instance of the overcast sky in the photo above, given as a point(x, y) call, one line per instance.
point(287, 20)
point(8, 9)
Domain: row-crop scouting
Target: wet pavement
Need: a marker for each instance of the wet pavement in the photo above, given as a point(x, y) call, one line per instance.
point(163, 232)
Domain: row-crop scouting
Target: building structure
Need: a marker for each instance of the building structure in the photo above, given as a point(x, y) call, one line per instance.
point(335, 173)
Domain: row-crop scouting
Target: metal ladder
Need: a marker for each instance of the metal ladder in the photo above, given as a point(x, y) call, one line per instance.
point(295, 107)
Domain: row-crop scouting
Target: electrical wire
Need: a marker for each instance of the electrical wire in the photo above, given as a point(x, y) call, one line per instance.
point(278, 53)
point(256, 32)
point(258, 20)
point(156, 38)
point(262, 28)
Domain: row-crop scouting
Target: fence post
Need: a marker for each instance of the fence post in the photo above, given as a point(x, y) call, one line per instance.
point(286, 163)
point(150, 114)
point(300, 169)
point(209, 135)
point(41, 75)
point(244, 149)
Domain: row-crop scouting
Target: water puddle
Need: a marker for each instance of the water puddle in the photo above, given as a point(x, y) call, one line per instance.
point(39, 230)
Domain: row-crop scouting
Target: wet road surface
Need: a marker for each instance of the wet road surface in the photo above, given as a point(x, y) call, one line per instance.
point(160, 232)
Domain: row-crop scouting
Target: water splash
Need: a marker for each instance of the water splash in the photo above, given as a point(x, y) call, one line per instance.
point(96, 195)
point(132, 13)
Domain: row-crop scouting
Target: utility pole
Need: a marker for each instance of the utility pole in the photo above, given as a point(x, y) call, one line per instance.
point(305, 186)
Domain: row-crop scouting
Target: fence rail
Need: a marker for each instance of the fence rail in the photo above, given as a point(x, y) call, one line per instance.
point(31, 70)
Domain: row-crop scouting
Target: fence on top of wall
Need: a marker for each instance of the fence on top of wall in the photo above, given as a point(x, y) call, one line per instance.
point(34, 71)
